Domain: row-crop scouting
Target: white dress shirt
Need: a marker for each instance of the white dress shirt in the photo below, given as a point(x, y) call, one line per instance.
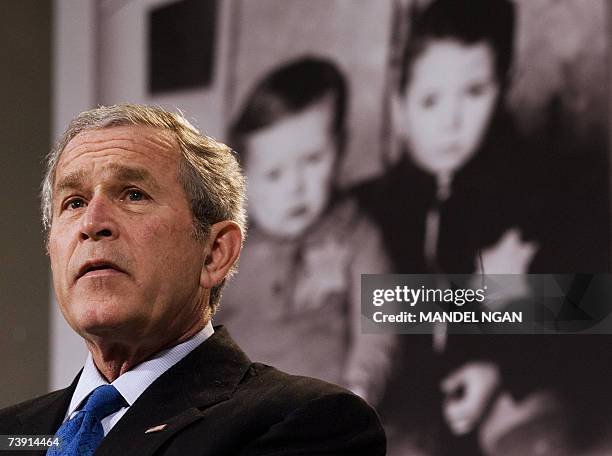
point(135, 381)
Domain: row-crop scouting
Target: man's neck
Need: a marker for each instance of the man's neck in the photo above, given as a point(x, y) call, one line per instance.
point(113, 359)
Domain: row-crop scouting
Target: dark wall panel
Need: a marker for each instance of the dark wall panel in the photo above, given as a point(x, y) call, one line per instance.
point(25, 91)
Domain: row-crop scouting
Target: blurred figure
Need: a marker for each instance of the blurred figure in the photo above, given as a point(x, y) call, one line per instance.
point(458, 201)
point(454, 192)
point(315, 244)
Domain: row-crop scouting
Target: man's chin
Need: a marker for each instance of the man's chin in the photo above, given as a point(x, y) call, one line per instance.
point(103, 321)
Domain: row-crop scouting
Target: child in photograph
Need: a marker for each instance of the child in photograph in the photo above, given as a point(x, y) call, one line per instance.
point(458, 201)
point(307, 246)
point(456, 194)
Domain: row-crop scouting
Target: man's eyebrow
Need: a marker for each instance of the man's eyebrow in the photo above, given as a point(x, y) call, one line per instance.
point(70, 181)
point(131, 174)
point(75, 179)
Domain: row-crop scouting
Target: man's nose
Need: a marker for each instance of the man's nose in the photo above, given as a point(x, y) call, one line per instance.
point(97, 222)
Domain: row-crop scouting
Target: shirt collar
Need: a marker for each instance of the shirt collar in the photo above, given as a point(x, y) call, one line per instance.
point(135, 381)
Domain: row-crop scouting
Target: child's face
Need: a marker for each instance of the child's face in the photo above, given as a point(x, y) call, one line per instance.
point(289, 171)
point(448, 104)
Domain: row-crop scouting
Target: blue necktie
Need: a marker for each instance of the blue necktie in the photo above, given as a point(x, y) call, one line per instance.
point(81, 435)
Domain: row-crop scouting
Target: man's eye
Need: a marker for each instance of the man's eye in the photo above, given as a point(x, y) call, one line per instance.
point(135, 195)
point(74, 203)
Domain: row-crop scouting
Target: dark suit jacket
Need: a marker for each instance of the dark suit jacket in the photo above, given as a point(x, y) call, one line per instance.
point(215, 401)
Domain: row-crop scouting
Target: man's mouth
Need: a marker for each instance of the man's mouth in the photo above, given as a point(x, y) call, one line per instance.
point(99, 268)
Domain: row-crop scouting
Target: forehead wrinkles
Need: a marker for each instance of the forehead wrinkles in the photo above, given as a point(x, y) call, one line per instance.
point(145, 141)
point(137, 139)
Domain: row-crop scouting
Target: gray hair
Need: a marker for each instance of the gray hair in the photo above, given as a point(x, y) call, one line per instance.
point(209, 171)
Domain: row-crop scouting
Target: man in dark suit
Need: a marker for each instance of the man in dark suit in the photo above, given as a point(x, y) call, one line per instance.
point(145, 222)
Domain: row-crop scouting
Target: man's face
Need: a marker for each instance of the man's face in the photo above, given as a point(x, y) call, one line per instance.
point(448, 104)
point(289, 171)
point(125, 262)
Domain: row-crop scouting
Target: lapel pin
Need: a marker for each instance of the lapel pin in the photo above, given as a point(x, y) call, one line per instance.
point(158, 428)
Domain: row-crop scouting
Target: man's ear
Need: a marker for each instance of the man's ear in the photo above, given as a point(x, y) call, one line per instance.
point(223, 245)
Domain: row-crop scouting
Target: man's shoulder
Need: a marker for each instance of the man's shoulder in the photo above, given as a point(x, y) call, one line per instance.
point(26, 405)
point(9, 416)
point(290, 409)
point(265, 395)
point(271, 384)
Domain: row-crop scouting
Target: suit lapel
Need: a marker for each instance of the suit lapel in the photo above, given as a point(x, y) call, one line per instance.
point(207, 376)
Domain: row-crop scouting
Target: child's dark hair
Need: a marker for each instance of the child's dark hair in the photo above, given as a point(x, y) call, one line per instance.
point(467, 21)
point(289, 90)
